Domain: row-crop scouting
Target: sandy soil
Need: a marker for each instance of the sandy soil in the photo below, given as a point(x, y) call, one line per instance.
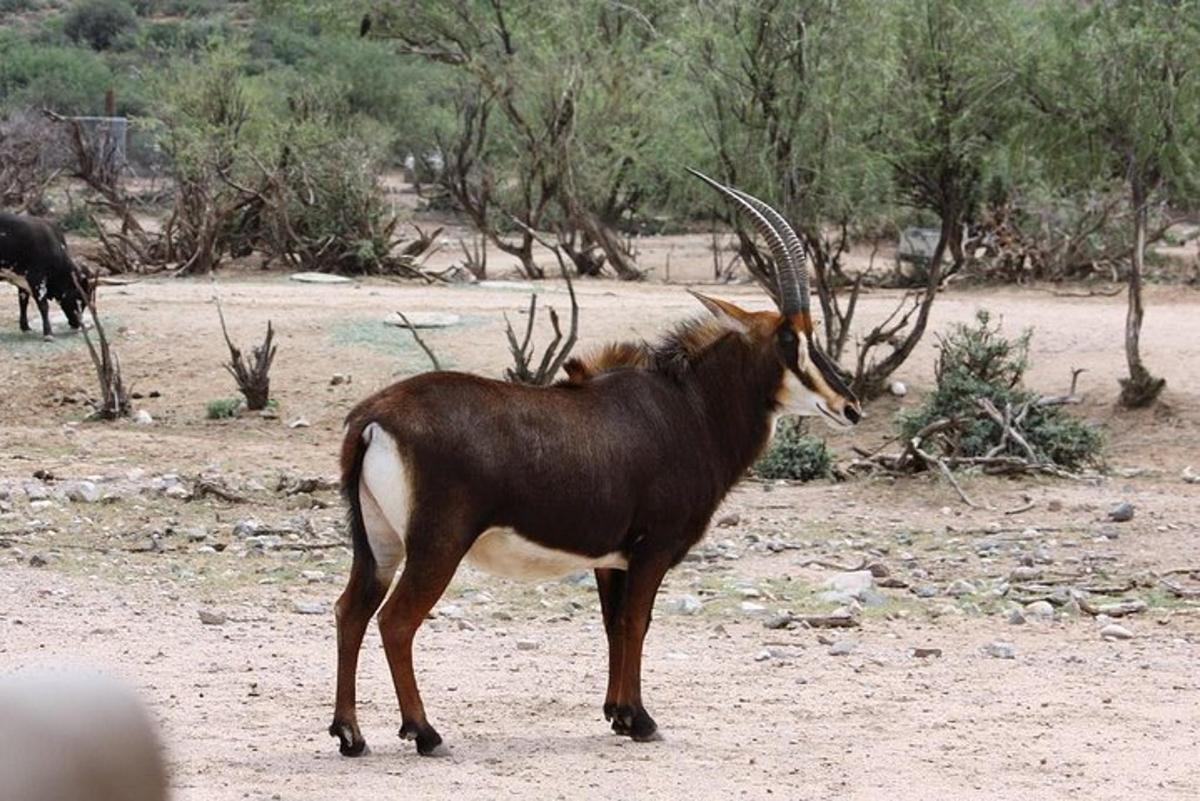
point(747, 712)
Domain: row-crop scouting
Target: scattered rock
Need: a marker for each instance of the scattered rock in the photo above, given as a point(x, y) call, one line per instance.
point(246, 528)
point(1040, 610)
point(751, 608)
point(310, 607)
point(780, 620)
point(82, 492)
point(1016, 617)
point(1115, 631)
point(685, 605)
point(211, 617)
point(749, 593)
point(1189, 477)
point(299, 422)
point(762, 656)
point(338, 379)
point(898, 388)
point(853, 583)
point(878, 570)
point(178, 492)
point(1025, 573)
point(1055, 505)
point(926, 653)
point(842, 648)
point(36, 491)
point(999, 649)
point(925, 591)
point(1121, 513)
point(730, 520)
point(841, 618)
point(37, 560)
point(527, 645)
point(142, 417)
point(960, 587)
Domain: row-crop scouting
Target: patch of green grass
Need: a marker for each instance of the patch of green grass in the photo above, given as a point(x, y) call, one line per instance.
point(392, 341)
point(223, 408)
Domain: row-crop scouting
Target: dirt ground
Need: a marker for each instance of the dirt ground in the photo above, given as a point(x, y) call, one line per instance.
point(512, 674)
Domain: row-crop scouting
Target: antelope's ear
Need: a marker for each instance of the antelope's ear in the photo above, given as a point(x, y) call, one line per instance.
point(733, 316)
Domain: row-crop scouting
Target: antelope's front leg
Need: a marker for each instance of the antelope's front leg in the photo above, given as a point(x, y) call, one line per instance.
point(645, 574)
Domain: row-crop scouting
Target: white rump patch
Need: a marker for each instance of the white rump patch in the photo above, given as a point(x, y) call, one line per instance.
point(385, 495)
point(504, 552)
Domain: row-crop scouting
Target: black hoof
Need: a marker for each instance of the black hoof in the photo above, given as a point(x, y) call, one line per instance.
point(429, 742)
point(350, 743)
point(636, 723)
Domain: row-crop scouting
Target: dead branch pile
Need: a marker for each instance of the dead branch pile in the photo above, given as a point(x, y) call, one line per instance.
point(939, 444)
point(24, 172)
point(252, 373)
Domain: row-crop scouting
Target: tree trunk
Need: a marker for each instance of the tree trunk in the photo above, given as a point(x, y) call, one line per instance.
point(872, 382)
point(1140, 388)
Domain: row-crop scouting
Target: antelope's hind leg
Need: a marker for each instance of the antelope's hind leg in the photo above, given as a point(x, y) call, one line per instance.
point(365, 591)
point(435, 548)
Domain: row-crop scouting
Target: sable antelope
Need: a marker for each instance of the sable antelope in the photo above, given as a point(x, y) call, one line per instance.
point(33, 257)
point(617, 469)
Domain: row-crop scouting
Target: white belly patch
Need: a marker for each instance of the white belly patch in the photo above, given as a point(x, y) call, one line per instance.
point(504, 552)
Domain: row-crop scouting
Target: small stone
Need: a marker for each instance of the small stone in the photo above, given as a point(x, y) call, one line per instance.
point(999, 649)
point(178, 492)
point(842, 648)
point(309, 607)
point(338, 379)
point(751, 608)
point(210, 617)
point(37, 560)
point(853, 583)
point(527, 645)
point(730, 520)
point(780, 620)
point(312, 576)
point(143, 417)
point(762, 656)
point(925, 591)
point(1016, 617)
point(299, 422)
point(960, 587)
point(82, 492)
point(1055, 505)
point(1115, 631)
point(926, 653)
point(898, 388)
point(1025, 573)
point(246, 528)
point(1040, 610)
point(749, 592)
point(685, 605)
point(36, 491)
point(1121, 513)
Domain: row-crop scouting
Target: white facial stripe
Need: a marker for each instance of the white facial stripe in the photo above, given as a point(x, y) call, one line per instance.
point(504, 552)
point(385, 494)
point(795, 398)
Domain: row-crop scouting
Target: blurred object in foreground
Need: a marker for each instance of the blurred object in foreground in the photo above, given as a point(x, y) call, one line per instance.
point(75, 736)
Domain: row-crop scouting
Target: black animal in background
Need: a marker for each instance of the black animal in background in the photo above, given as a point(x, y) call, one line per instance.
point(33, 257)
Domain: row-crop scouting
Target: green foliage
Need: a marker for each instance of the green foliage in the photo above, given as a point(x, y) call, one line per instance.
point(794, 455)
point(67, 79)
point(223, 408)
point(18, 6)
point(77, 220)
point(976, 362)
point(99, 23)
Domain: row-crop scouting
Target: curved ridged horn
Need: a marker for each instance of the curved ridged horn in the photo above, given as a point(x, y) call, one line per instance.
point(789, 290)
point(797, 269)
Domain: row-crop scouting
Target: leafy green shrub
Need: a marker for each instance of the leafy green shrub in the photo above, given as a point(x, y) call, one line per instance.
point(976, 363)
point(16, 6)
point(69, 80)
point(99, 23)
point(223, 408)
point(77, 221)
point(794, 455)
